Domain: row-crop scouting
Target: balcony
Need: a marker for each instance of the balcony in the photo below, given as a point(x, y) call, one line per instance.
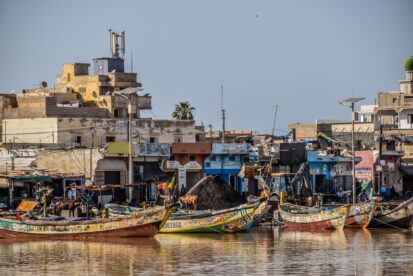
point(144, 102)
point(408, 102)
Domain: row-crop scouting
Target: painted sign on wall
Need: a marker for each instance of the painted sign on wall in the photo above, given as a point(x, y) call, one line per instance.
point(153, 149)
point(230, 148)
point(181, 177)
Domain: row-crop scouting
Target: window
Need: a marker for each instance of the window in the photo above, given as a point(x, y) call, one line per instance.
point(191, 158)
point(232, 158)
point(68, 77)
point(197, 137)
point(213, 158)
point(110, 139)
point(152, 140)
point(78, 140)
point(410, 118)
point(394, 100)
point(116, 113)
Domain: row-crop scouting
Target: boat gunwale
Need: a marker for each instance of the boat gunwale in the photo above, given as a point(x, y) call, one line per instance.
point(347, 206)
point(402, 205)
point(84, 222)
point(213, 213)
point(199, 227)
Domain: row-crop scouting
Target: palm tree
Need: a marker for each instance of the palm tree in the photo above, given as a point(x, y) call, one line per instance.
point(183, 111)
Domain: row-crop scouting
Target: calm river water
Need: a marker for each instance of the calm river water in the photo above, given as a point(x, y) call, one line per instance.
point(263, 251)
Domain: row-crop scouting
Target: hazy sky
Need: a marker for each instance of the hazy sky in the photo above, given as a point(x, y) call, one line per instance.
point(302, 55)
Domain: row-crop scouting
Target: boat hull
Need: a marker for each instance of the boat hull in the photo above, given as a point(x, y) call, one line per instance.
point(259, 214)
point(324, 220)
point(143, 224)
point(400, 217)
point(224, 221)
point(361, 214)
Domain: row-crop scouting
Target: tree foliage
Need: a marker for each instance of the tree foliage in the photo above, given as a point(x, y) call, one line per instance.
point(183, 111)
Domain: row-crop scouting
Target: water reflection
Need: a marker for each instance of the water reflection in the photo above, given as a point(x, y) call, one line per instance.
point(263, 251)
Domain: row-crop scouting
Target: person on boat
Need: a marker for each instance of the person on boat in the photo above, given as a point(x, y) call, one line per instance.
point(362, 196)
point(70, 194)
point(182, 192)
point(393, 193)
point(342, 197)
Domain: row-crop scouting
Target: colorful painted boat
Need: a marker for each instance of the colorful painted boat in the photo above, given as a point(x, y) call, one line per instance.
point(224, 221)
point(397, 216)
point(260, 213)
point(361, 214)
point(297, 218)
point(145, 223)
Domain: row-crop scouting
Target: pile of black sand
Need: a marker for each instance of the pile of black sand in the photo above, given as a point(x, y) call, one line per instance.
point(215, 194)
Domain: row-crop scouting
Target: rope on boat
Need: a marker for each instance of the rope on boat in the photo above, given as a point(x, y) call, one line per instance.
point(402, 229)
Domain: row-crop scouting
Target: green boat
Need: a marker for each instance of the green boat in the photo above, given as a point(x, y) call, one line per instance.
point(232, 220)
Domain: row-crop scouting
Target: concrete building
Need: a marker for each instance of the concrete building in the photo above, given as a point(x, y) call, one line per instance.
point(78, 118)
point(337, 131)
point(329, 173)
point(394, 115)
point(226, 161)
point(87, 132)
point(187, 161)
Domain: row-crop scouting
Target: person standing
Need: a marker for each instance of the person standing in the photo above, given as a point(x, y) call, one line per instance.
point(362, 196)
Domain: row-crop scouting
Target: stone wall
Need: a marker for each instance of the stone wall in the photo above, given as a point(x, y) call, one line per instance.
point(73, 161)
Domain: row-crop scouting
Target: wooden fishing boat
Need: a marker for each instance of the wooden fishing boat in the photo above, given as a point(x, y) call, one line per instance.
point(224, 221)
point(260, 213)
point(361, 214)
point(297, 218)
point(393, 215)
point(145, 223)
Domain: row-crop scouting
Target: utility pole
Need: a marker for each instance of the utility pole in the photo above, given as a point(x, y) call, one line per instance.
point(131, 112)
point(223, 113)
point(131, 62)
point(210, 132)
point(353, 162)
point(380, 158)
point(351, 102)
point(92, 132)
point(273, 125)
point(130, 94)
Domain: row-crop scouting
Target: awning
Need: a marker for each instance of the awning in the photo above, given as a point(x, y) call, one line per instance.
point(34, 178)
point(407, 170)
point(151, 172)
point(100, 187)
point(4, 182)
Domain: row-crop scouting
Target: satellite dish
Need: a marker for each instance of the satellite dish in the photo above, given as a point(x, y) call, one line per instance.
point(43, 84)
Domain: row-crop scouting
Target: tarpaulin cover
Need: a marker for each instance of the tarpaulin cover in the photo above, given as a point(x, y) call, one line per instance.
point(151, 172)
point(292, 153)
point(34, 178)
point(27, 205)
point(407, 170)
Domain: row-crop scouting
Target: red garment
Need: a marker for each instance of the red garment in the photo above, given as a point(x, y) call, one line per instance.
point(162, 186)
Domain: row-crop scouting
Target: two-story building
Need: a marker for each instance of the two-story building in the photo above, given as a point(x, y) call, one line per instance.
point(330, 173)
point(226, 162)
point(394, 118)
point(187, 162)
